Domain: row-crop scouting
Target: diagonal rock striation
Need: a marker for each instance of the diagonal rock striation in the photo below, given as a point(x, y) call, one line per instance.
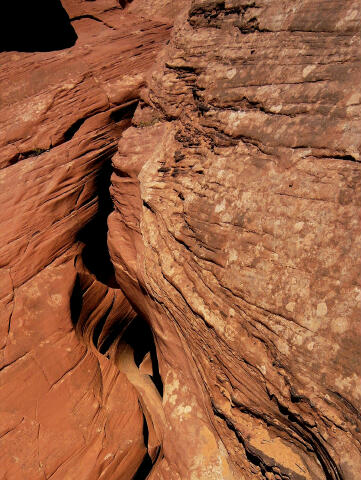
point(180, 243)
point(66, 411)
point(236, 232)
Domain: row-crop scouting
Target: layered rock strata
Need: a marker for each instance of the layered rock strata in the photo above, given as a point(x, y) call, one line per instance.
point(236, 233)
point(66, 411)
point(225, 343)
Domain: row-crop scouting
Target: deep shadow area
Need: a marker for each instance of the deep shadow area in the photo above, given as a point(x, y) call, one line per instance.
point(71, 131)
point(35, 26)
point(76, 302)
point(146, 466)
point(140, 337)
point(124, 3)
point(125, 111)
point(94, 235)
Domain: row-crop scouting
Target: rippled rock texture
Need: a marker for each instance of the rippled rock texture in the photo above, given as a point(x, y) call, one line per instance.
point(66, 412)
point(215, 333)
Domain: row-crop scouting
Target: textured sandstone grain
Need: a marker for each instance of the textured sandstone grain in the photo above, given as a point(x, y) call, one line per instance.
point(235, 235)
point(65, 412)
point(239, 199)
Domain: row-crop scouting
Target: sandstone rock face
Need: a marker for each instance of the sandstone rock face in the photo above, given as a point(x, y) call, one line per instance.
point(209, 327)
point(66, 412)
point(236, 233)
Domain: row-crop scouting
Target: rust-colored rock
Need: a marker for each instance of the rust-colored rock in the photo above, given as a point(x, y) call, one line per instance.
point(66, 412)
point(235, 235)
point(238, 213)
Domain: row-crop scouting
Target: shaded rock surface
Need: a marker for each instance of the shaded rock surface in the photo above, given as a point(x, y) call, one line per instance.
point(202, 321)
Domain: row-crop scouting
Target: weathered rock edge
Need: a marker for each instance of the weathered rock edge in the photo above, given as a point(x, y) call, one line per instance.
point(236, 234)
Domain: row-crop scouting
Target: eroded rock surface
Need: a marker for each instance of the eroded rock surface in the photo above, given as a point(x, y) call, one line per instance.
point(237, 234)
point(234, 242)
point(66, 412)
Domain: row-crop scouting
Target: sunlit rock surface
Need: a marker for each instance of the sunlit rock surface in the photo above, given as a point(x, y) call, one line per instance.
point(66, 412)
point(236, 231)
point(180, 241)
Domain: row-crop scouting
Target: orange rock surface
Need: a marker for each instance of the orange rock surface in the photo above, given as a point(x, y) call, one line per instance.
point(180, 243)
point(65, 411)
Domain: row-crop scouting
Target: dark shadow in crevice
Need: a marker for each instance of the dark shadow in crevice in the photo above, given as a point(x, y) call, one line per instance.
point(71, 131)
point(115, 332)
point(124, 3)
point(124, 112)
point(95, 253)
point(146, 466)
point(35, 26)
point(76, 302)
point(140, 337)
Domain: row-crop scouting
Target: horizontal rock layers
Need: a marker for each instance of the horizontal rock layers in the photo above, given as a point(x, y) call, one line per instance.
point(201, 321)
point(237, 234)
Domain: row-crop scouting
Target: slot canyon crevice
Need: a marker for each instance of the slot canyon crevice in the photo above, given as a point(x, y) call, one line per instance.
point(180, 240)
